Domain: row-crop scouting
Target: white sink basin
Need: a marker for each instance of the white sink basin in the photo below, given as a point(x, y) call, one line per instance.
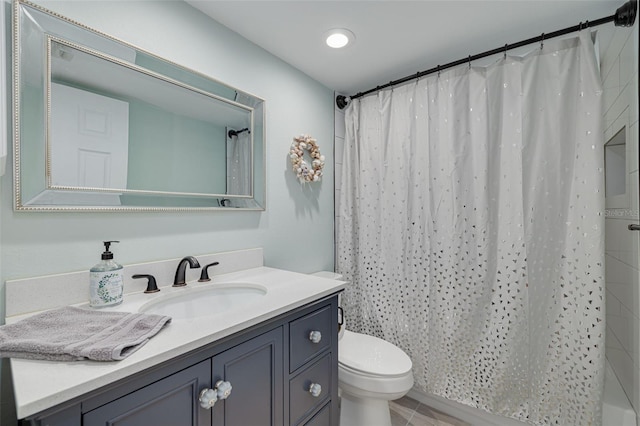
point(211, 300)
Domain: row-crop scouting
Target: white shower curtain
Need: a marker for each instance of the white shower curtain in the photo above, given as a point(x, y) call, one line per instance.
point(471, 229)
point(239, 164)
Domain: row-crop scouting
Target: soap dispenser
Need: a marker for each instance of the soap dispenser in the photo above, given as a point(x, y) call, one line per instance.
point(106, 281)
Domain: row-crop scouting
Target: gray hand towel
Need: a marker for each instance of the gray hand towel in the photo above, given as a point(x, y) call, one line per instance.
point(74, 334)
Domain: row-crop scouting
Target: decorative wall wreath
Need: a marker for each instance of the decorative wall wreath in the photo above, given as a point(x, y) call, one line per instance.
point(300, 166)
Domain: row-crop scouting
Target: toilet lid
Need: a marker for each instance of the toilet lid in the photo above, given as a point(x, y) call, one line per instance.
point(372, 355)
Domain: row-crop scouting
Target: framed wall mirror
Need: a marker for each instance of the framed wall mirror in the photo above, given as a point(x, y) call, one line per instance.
point(101, 125)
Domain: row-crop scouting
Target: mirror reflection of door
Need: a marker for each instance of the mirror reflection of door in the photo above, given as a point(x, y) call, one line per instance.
point(89, 139)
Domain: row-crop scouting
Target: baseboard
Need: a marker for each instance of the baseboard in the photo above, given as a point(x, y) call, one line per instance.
point(474, 416)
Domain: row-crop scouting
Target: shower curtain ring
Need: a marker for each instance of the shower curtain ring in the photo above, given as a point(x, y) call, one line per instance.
point(505, 50)
point(469, 61)
point(438, 69)
point(541, 41)
point(580, 26)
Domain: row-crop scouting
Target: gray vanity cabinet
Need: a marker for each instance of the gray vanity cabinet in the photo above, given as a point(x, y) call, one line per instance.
point(283, 372)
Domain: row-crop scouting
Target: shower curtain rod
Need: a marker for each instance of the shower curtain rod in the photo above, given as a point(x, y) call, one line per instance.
point(231, 133)
point(625, 16)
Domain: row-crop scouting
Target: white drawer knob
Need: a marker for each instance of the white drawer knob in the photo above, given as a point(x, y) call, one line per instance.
point(315, 389)
point(315, 336)
point(208, 397)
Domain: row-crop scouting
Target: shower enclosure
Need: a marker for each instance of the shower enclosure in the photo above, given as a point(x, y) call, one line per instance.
point(620, 85)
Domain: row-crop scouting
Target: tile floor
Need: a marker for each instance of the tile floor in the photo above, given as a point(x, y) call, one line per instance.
point(409, 412)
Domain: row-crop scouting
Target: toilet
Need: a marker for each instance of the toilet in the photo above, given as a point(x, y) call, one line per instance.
point(371, 372)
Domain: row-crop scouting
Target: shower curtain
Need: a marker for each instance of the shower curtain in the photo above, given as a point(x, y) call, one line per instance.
point(239, 164)
point(471, 230)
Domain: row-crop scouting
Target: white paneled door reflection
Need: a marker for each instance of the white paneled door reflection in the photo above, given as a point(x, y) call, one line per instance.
point(89, 142)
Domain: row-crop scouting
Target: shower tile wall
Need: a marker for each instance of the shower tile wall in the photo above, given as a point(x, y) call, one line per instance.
point(619, 69)
point(339, 131)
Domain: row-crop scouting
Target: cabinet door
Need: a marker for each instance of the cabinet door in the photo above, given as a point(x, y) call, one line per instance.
point(66, 417)
point(254, 369)
point(171, 401)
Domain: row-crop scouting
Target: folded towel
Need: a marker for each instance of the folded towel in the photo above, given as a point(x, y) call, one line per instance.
point(74, 334)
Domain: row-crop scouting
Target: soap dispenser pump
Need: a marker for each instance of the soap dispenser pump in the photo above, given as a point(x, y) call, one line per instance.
point(106, 281)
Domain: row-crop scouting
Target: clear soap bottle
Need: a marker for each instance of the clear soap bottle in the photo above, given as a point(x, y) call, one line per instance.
point(106, 281)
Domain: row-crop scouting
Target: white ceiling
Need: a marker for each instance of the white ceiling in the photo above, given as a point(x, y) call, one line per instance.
point(393, 38)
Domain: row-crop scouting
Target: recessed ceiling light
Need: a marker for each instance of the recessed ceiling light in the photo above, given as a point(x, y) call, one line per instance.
point(339, 37)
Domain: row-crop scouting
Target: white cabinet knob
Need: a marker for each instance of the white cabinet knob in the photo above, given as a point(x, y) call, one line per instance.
point(208, 397)
point(223, 389)
point(315, 336)
point(315, 389)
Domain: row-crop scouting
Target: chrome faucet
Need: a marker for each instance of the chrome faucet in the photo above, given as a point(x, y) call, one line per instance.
point(179, 280)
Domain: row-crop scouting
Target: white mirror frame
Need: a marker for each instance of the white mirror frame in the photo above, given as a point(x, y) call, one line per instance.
point(162, 200)
point(3, 97)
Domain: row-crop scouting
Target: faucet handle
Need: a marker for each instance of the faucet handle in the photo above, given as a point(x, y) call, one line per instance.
point(152, 287)
point(204, 275)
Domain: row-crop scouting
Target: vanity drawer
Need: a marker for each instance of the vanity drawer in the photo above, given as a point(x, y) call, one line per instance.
point(302, 402)
point(302, 347)
point(322, 417)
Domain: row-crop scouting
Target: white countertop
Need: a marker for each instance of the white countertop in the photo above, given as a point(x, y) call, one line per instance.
point(40, 385)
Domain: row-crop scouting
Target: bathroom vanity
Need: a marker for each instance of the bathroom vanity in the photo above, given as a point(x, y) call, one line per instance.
point(278, 354)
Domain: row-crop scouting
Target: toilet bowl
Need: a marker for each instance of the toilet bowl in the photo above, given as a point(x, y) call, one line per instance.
point(371, 372)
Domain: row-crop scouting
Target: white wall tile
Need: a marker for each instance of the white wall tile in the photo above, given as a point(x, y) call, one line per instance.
point(635, 397)
point(611, 341)
point(627, 61)
point(612, 79)
point(339, 134)
point(610, 243)
point(616, 115)
point(635, 325)
point(623, 292)
point(617, 236)
point(633, 189)
point(339, 118)
point(612, 52)
point(613, 305)
point(338, 177)
point(611, 86)
point(618, 272)
point(622, 327)
point(633, 101)
point(632, 151)
point(622, 364)
point(339, 149)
